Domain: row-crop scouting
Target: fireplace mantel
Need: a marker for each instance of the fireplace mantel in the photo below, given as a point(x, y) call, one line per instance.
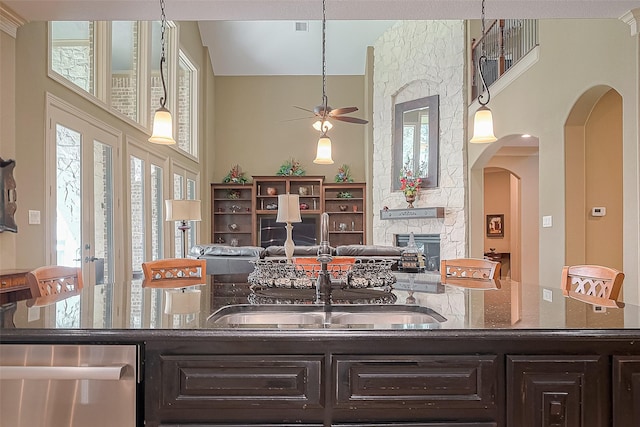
point(412, 213)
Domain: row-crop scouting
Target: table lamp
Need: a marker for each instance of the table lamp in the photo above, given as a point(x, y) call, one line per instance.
point(288, 211)
point(183, 211)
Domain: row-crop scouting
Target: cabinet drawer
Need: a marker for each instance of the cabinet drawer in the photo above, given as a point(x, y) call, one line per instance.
point(567, 391)
point(13, 280)
point(626, 391)
point(241, 382)
point(407, 382)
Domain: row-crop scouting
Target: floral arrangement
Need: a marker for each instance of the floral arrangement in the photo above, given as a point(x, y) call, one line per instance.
point(410, 184)
point(236, 176)
point(344, 174)
point(291, 168)
point(344, 195)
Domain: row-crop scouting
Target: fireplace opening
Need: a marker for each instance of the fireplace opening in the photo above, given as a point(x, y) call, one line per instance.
point(429, 244)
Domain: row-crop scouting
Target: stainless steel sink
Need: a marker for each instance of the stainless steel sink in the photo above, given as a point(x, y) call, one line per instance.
point(367, 316)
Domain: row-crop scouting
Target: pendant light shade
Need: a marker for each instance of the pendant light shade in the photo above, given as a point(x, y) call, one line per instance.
point(162, 121)
point(162, 128)
point(323, 154)
point(322, 125)
point(483, 126)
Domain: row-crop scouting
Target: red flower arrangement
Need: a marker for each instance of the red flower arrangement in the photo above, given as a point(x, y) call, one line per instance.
point(410, 184)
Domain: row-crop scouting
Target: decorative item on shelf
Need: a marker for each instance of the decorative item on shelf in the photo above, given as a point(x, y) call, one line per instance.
point(342, 226)
point(235, 208)
point(412, 259)
point(344, 195)
point(344, 174)
point(233, 194)
point(303, 191)
point(355, 208)
point(220, 240)
point(291, 168)
point(234, 242)
point(272, 206)
point(343, 208)
point(272, 191)
point(233, 226)
point(410, 183)
point(236, 176)
point(304, 206)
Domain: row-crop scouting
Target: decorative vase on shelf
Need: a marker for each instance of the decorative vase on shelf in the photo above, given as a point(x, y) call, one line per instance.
point(410, 198)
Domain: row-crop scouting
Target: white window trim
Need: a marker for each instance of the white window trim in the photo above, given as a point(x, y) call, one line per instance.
point(184, 56)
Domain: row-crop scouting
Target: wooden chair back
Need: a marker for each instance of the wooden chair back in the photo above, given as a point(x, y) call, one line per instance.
point(53, 283)
point(469, 268)
point(174, 273)
point(595, 284)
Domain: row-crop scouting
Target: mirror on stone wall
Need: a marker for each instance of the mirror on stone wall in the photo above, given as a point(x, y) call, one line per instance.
point(416, 139)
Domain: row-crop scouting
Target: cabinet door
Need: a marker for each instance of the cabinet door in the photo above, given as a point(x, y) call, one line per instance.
point(626, 391)
point(557, 391)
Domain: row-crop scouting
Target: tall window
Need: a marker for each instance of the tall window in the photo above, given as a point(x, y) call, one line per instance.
point(72, 52)
point(124, 68)
point(187, 79)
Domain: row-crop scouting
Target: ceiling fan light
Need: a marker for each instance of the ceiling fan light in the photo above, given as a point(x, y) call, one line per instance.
point(323, 153)
point(162, 128)
point(318, 125)
point(483, 126)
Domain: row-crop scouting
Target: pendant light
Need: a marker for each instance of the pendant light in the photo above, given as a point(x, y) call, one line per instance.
point(323, 152)
point(162, 121)
point(483, 120)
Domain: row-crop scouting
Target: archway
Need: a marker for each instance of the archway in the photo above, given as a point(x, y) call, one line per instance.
point(594, 179)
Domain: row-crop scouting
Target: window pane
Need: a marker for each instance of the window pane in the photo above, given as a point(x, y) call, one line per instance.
point(137, 238)
point(156, 81)
point(72, 52)
point(178, 193)
point(186, 81)
point(157, 209)
point(124, 68)
point(191, 195)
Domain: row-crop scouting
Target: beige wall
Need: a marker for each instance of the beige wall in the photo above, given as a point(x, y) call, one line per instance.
point(258, 127)
point(575, 55)
point(497, 200)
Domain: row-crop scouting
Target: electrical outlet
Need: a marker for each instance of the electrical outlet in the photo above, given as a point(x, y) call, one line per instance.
point(547, 221)
point(599, 309)
point(34, 217)
point(547, 295)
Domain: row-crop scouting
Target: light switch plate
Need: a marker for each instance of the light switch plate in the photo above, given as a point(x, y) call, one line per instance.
point(547, 295)
point(34, 217)
point(547, 221)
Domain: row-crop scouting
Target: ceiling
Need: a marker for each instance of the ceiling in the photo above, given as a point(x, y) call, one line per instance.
point(258, 37)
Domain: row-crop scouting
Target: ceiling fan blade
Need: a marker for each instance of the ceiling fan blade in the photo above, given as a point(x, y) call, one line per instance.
point(350, 119)
point(304, 109)
point(298, 118)
point(343, 110)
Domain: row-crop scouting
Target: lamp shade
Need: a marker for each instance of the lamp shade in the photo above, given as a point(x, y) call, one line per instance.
point(183, 210)
point(323, 154)
point(322, 126)
point(483, 126)
point(288, 208)
point(162, 128)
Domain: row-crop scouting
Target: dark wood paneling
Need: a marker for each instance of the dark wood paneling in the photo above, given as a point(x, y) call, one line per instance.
point(557, 391)
point(243, 382)
point(416, 382)
point(626, 391)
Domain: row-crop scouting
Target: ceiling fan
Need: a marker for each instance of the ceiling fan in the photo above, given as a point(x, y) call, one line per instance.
point(324, 111)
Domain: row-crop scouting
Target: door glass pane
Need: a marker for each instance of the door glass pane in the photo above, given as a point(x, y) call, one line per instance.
point(72, 53)
point(124, 68)
point(157, 213)
point(68, 216)
point(178, 194)
point(104, 247)
point(136, 189)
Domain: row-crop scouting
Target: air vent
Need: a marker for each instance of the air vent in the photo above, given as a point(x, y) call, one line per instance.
point(302, 26)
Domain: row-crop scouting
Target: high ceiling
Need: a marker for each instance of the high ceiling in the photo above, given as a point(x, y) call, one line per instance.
point(269, 44)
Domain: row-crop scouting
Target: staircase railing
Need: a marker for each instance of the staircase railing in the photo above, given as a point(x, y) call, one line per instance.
point(506, 41)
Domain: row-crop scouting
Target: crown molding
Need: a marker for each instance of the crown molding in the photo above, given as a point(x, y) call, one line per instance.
point(632, 18)
point(10, 21)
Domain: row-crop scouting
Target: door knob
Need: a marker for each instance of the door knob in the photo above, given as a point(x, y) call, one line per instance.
point(90, 259)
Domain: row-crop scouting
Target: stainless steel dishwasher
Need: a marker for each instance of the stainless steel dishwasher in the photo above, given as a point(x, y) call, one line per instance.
point(68, 385)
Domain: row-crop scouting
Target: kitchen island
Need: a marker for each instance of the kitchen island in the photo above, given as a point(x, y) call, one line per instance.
point(517, 355)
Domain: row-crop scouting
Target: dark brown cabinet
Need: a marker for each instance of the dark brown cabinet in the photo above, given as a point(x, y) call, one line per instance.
point(626, 391)
point(346, 205)
point(232, 211)
point(562, 391)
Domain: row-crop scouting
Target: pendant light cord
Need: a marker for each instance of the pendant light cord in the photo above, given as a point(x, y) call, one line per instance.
point(324, 61)
point(481, 63)
point(163, 25)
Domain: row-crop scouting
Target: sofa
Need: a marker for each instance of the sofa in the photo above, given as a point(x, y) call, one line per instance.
point(225, 260)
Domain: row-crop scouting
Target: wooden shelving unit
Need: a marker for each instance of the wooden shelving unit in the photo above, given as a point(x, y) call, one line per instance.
point(238, 210)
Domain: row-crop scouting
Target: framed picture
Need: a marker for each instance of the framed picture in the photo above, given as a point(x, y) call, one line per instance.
point(495, 225)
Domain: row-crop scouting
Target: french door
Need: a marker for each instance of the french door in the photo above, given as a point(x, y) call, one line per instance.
point(83, 181)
